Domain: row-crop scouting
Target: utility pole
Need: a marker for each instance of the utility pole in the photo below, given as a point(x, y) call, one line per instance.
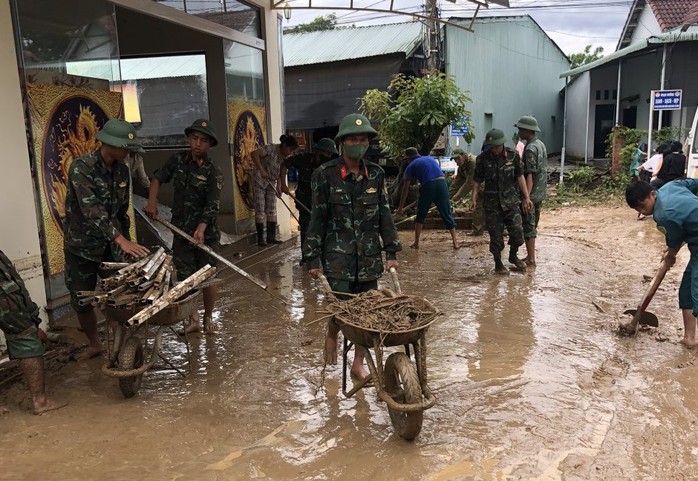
point(432, 37)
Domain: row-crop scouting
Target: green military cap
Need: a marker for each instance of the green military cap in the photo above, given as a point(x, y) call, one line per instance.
point(205, 127)
point(528, 123)
point(326, 145)
point(457, 152)
point(354, 124)
point(495, 137)
point(121, 134)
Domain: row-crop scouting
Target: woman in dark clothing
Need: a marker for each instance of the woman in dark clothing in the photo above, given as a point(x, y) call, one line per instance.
point(673, 166)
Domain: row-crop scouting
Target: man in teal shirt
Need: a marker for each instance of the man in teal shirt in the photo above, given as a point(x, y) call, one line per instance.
point(675, 210)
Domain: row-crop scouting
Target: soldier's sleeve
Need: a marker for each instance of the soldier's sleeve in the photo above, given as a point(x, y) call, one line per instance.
point(530, 160)
point(164, 174)
point(122, 213)
point(318, 220)
point(518, 167)
point(89, 204)
point(479, 172)
point(391, 242)
point(213, 198)
point(8, 271)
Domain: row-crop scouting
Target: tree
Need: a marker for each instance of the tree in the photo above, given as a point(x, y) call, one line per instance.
point(413, 111)
point(585, 57)
point(326, 22)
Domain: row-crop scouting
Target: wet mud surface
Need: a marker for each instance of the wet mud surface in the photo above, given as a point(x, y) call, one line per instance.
point(532, 380)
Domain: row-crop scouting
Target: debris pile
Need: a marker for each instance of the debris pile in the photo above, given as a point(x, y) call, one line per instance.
point(384, 311)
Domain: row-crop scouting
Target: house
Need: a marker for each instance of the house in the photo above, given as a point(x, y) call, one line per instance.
point(326, 72)
point(656, 51)
point(509, 67)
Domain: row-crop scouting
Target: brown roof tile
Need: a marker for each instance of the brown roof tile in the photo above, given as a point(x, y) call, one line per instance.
point(671, 13)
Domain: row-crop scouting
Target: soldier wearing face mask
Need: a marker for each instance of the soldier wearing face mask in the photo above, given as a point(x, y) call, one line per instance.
point(306, 163)
point(350, 225)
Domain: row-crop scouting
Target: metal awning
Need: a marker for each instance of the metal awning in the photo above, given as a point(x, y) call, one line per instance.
point(393, 7)
point(672, 36)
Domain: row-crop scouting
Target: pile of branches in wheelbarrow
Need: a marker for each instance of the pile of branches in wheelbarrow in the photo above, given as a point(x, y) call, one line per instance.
point(149, 284)
point(383, 311)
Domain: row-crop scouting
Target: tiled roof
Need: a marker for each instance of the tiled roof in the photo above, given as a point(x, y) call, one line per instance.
point(670, 13)
point(692, 14)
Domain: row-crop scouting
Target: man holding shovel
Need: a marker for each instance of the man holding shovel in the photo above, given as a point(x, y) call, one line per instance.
point(197, 193)
point(675, 210)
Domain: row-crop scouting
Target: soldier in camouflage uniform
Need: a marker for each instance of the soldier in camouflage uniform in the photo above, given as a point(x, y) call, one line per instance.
point(462, 185)
point(535, 160)
point(306, 163)
point(19, 321)
point(96, 226)
point(197, 199)
point(501, 170)
point(350, 224)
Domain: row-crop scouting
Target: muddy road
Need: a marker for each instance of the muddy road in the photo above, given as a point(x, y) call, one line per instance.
point(531, 379)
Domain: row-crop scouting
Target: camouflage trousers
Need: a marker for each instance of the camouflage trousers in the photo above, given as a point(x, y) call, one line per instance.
point(530, 221)
point(188, 259)
point(81, 275)
point(497, 218)
point(18, 324)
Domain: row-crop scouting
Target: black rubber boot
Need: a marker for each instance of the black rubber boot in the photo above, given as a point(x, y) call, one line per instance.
point(499, 267)
point(271, 233)
point(519, 265)
point(260, 234)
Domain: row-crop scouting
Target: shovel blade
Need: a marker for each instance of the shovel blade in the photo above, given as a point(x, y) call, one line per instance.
point(646, 318)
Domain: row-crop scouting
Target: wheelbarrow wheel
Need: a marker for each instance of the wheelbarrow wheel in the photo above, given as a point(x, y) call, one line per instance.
point(130, 357)
point(402, 384)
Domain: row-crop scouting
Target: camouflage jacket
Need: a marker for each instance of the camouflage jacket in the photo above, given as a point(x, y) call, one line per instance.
point(535, 162)
point(500, 174)
point(16, 307)
point(350, 217)
point(197, 193)
point(306, 164)
point(463, 180)
point(96, 207)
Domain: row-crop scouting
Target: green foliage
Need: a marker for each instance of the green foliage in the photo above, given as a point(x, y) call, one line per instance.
point(326, 22)
point(581, 178)
point(413, 111)
point(631, 137)
point(585, 57)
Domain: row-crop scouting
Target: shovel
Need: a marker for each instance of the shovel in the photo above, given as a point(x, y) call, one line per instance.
point(640, 315)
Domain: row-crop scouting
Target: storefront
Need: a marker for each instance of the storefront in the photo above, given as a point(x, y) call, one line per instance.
point(67, 67)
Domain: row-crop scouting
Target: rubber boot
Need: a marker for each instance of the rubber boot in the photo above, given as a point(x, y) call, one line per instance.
point(260, 234)
point(271, 233)
point(499, 267)
point(518, 264)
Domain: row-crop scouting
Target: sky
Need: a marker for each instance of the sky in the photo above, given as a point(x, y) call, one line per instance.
point(572, 24)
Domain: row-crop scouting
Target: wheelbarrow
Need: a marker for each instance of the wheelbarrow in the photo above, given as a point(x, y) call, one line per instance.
point(127, 359)
point(402, 381)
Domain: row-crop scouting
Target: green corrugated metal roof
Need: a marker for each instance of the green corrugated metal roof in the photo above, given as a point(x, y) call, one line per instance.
point(671, 36)
point(350, 43)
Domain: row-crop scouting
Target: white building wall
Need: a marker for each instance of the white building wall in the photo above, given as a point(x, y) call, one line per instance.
point(19, 236)
point(577, 112)
point(647, 25)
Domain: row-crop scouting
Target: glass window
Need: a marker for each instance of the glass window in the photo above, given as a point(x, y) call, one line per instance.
point(230, 13)
point(163, 95)
point(244, 72)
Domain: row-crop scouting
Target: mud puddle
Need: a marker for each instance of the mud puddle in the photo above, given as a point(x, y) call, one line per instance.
point(531, 379)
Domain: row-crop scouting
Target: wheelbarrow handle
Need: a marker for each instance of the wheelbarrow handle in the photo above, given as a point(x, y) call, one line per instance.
point(396, 281)
point(325, 284)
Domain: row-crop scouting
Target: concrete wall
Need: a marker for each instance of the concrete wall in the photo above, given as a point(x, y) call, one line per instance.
point(577, 111)
point(510, 68)
point(19, 236)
